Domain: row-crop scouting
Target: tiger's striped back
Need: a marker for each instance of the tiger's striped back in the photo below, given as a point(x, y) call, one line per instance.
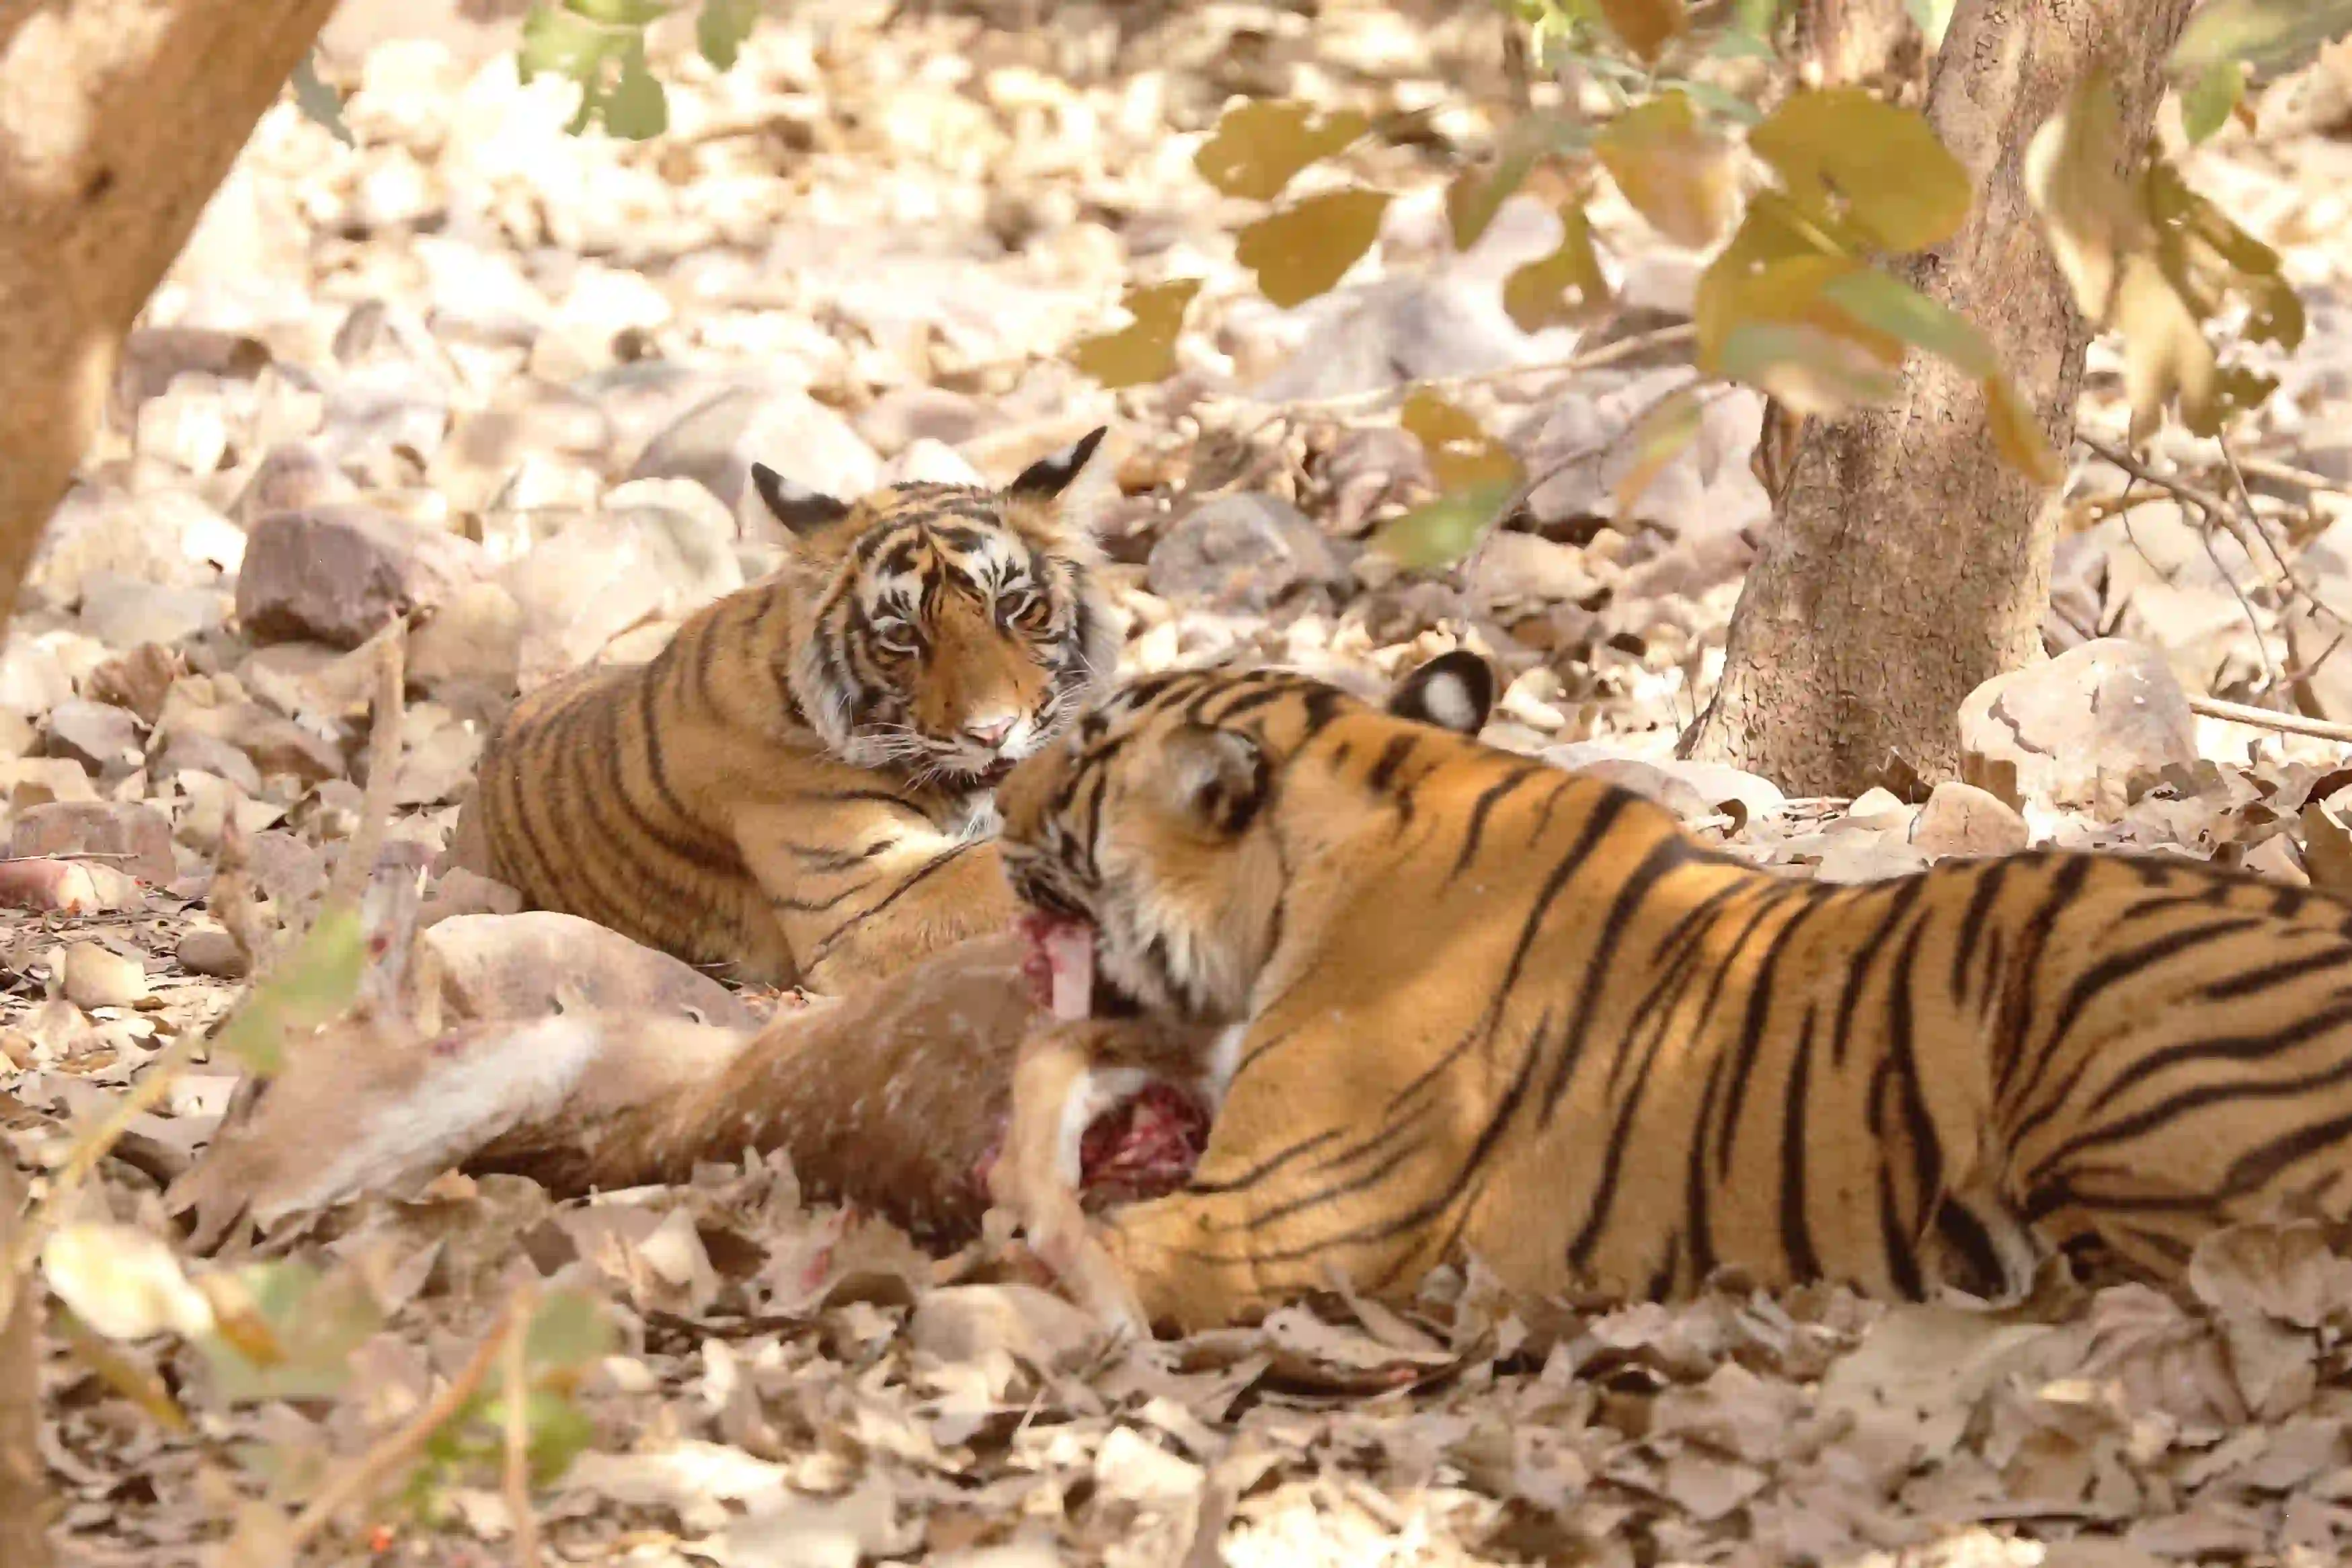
point(1486, 1004)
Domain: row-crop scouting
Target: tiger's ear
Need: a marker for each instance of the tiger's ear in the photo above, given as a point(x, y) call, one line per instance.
point(1454, 691)
point(1050, 475)
point(1214, 780)
point(799, 510)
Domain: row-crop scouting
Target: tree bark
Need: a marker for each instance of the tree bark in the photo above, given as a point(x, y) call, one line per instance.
point(24, 1490)
point(1909, 563)
point(118, 118)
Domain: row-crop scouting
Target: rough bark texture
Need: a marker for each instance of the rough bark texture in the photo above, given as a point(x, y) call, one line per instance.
point(118, 118)
point(24, 1492)
point(1909, 562)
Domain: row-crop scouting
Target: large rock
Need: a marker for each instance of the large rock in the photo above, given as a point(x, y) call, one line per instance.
point(168, 536)
point(658, 550)
point(132, 838)
point(123, 612)
point(2086, 729)
point(1961, 819)
point(474, 640)
point(1243, 553)
point(1687, 788)
point(290, 478)
point(101, 737)
point(532, 964)
point(717, 442)
point(338, 574)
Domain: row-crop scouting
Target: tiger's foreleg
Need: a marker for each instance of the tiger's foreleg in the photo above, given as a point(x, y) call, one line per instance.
point(861, 892)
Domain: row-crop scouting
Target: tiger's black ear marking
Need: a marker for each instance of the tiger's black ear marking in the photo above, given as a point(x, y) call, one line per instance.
point(1454, 691)
point(1050, 475)
point(1217, 779)
point(803, 510)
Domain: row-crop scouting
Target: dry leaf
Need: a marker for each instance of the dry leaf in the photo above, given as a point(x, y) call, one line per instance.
point(1675, 171)
point(1144, 351)
point(1303, 249)
point(1260, 145)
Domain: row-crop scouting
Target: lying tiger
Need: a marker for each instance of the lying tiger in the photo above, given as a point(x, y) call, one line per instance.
point(1448, 999)
point(796, 786)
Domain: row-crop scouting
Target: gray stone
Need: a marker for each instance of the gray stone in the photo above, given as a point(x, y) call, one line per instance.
point(658, 550)
point(1685, 787)
point(133, 838)
point(193, 749)
point(290, 478)
point(903, 415)
point(716, 443)
point(2083, 728)
point(338, 574)
point(474, 640)
point(1242, 553)
point(1961, 819)
point(102, 738)
point(123, 612)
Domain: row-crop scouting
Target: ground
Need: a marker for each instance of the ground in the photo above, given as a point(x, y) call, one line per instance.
point(862, 253)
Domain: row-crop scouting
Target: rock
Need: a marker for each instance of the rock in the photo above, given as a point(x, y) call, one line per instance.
point(1526, 571)
point(926, 460)
point(208, 950)
point(139, 680)
point(101, 738)
point(473, 639)
point(33, 678)
point(1706, 489)
point(338, 574)
point(291, 478)
point(1687, 788)
point(2083, 728)
point(37, 781)
point(98, 976)
point(658, 551)
point(289, 872)
point(153, 357)
point(529, 966)
point(960, 1323)
point(437, 755)
point(529, 419)
point(1396, 331)
point(1961, 819)
point(903, 415)
point(132, 838)
point(718, 440)
point(123, 612)
point(459, 891)
point(203, 753)
point(276, 744)
point(185, 427)
point(66, 887)
point(167, 536)
point(1243, 553)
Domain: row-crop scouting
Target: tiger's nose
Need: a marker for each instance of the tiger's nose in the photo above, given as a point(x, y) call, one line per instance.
point(992, 731)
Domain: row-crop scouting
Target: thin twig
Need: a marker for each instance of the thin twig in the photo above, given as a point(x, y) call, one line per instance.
point(518, 1433)
point(358, 1479)
point(2268, 718)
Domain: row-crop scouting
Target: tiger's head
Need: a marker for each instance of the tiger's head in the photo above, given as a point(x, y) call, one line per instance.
point(1152, 830)
point(945, 632)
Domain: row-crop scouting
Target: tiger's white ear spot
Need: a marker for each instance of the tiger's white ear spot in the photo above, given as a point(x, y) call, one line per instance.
point(1454, 691)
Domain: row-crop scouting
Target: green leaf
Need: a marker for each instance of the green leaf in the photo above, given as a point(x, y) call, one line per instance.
point(1815, 373)
point(289, 1332)
point(2206, 103)
point(1462, 455)
point(567, 43)
point(1707, 95)
point(568, 1330)
point(1144, 351)
point(311, 985)
point(1894, 308)
point(1445, 530)
point(1259, 144)
point(1664, 435)
point(1304, 248)
point(1646, 27)
point(1474, 195)
point(636, 107)
point(1845, 156)
point(2260, 32)
point(322, 104)
point(1562, 288)
point(634, 15)
point(721, 29)
point(1675, 171)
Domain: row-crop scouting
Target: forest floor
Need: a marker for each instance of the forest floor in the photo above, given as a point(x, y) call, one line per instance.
point(862, 255)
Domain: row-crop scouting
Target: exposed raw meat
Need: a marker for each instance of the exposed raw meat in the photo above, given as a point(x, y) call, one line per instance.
point(1061, 964)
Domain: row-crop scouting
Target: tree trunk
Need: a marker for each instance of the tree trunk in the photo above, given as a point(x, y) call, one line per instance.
point(118, 118)
point(24, 1490)
point(1908, 561)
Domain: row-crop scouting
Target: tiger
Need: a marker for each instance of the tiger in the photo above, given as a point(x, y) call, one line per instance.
point(795, 790)
point(1459, 1003)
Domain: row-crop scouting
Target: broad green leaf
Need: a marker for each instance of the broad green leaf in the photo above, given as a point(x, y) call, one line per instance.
point(2015, 433)
point(1562, 288)
point(123, 1282)
point(1675, 171)
point(568, 1330)
point(1462, 455)
point(1260, 145)
point(1664, 435)
point(565, 42)
point(1843, 153)
point(1707, 95)
point(1304, 248)
point(721, 29)
point(287, 1331)
point(1645, 26)
point(319, 102)
point(1788, 292)
point(1894, 308)
point(636, 107)
point(1474, 195)
point(2091, 216)
point(1445, 530)
point(1733, 44)
point(312, 983)
point(2260, 32)
point(1144, 351)
point(2209, 96)
point(1815, 373)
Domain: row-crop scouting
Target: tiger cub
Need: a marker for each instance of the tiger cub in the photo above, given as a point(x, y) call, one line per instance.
point(797, 787)
point(1465, 1001)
